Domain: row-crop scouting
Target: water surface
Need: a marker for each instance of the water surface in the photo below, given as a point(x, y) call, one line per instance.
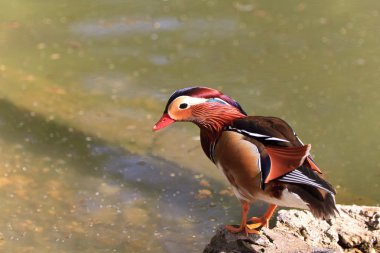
point(81, 85)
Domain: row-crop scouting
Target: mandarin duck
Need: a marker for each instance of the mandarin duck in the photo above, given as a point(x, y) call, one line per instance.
point(261, 157)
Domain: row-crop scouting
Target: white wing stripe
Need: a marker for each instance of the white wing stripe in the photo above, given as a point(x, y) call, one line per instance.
point(275, 139)
point(298, 139)
point(297, 177)
point(301, 182)
point(252, 134)
point(267, 138)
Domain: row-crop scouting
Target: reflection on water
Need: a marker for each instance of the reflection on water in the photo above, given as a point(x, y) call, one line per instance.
point(124, 26)
point(80, 89)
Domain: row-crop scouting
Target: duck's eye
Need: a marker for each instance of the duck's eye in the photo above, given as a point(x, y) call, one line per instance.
point(183, 106)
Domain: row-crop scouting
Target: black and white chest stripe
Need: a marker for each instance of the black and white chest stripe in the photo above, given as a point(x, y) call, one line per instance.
point(212, 151)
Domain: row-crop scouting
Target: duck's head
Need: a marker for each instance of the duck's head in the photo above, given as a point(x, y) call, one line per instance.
point(204, 106)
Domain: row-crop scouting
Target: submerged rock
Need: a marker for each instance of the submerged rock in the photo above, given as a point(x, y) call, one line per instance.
point(357, 229)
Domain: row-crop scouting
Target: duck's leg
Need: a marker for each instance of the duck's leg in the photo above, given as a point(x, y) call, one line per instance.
point(248, 229)
point(263, 221)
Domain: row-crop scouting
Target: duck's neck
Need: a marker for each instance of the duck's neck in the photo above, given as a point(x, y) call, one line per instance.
point(211, 127)
point(208, 142)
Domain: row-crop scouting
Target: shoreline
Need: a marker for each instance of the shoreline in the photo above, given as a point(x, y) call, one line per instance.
point(357, 229)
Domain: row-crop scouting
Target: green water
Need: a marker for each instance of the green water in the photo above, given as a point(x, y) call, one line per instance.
point(83, 82)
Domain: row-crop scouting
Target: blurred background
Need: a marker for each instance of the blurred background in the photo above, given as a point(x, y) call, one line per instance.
point(83, 82)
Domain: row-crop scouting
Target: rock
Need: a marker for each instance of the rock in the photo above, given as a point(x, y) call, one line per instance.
point(355, 230)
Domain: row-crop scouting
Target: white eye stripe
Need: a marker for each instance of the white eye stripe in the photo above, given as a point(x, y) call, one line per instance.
point(175, 108)
point(189, 100)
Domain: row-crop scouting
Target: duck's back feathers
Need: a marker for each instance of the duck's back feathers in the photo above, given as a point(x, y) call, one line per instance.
point(271, 131)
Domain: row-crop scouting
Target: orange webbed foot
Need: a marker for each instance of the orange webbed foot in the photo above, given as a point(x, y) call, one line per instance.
point(247, 229)
point(244, 227)
point(254, 223)
point(263, 221)
point(259, 222)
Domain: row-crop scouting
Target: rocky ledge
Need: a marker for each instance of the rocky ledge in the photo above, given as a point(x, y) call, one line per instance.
point(357, 229)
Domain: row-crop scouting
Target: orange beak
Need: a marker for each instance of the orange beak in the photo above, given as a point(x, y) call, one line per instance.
point(163, 122)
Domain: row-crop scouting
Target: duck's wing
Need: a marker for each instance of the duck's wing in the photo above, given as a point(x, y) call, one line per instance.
point(285, 160)
point(282, 152)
